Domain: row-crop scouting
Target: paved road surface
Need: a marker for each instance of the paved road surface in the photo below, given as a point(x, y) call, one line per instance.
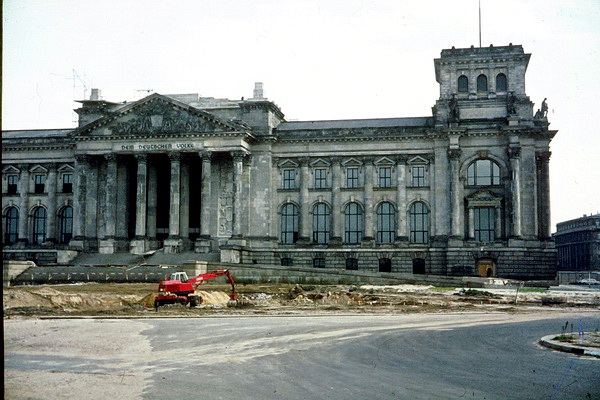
point(420, 356)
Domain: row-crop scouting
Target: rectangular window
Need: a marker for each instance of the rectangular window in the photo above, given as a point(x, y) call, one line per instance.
point(385, 177)
point(13, 181)
point(286, 262)
point(320, 178)
point(418, 176)
point(67, 183)
point(352, 178)
point(40, 183)
point(385, 265)
point(485, 226)
point(319, 262)
point(352, 264)
point(289, 179)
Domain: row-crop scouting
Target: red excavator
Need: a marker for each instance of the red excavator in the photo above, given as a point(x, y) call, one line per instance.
point(178, 289)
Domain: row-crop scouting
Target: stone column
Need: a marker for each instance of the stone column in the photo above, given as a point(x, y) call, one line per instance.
point(498, 222)
point(173, 244)
point(23, 204)
point(368, 199)
point(543, 198)
point(336, 206)
point(184, 208)
point(139, 244)
point(91, 202)
point(471, 223)
point(401, 229)
point(152, 200)
point(238, 171)
point(454, 156)
point(205, 196)
point(108, 244)
point(79, 192)
point(51, 222)
point(304, 234)
point(514, 154)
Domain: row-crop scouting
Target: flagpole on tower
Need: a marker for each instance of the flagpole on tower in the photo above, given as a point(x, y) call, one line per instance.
point(479, 23)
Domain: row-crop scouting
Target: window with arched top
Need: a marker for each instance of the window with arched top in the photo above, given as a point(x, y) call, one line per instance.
point(483, 173)
point(321, 223)
point(501, 83)
point(39, 225)
point(11, 231)
point(419, 222)
point(289, 223)
point(386, 226)
point(463, 84)
point(482, 83)
point(66, 225)
point(354, 224)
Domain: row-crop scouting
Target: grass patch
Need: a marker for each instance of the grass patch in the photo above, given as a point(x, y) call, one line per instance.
point(443, 288)
point(533, 290)
point(563, 338)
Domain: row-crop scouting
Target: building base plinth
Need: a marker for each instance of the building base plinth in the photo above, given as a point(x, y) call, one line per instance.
point(107, 246)
point(203, 246)
point(173, 246)
point(139, 246)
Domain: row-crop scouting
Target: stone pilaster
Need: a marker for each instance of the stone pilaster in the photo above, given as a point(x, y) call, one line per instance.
point(184, 201)
point(442, 215)
point(238, 171)
point(514, 153)
point(337, 218)
point(79, 194)
point(152, 201)
point(173, 244)
point(91, 202)
point(402, 228)
point(23, 204)
point(108, 244)
point(51, 188)
point(543, 198)
point(368, 202)
point(203, 244)
point(304, 234)
point(140, 245)
point(456, 193)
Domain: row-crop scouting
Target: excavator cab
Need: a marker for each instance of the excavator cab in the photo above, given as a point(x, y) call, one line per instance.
point(178, 276)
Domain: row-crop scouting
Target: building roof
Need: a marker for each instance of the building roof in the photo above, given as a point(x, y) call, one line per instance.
point(355, 124)
point(36, 133)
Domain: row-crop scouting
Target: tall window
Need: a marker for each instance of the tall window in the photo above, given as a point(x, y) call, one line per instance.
point(39, 225)
point(352, 178)
point(12, 225)
point(352, 264)
point(319, 262)
point(354, 222)
point(482, 83)
point(385, 177)
point(66, 225)
point(386, 226)
point(419, 223)
point(289, 178)
point(40, 183)
point(289, 224)
point(501, 84)
point(418, 176)
point(320, 178)
point(483, 173)
point(13, 181)
point(321, 221)
point(67, 183)
point(463, 84)
point(485, 226)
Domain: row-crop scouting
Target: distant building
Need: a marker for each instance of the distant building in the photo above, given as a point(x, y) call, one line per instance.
point(463, 191)
point(578, 244)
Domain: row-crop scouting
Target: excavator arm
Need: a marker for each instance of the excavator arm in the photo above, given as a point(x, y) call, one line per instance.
point(200, 279)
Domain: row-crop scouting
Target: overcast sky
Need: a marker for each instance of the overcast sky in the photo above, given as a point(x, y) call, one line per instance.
point(342, 59)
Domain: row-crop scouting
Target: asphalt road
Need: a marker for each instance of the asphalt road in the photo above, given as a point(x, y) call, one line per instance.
point(419, 356)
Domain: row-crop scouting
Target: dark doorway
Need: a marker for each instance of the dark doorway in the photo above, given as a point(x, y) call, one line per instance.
point(418, 266)
point(385, 265)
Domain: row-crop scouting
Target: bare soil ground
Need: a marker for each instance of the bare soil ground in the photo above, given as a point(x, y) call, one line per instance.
point(114, 299)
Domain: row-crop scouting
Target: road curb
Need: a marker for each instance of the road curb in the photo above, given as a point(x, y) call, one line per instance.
point(548, 341)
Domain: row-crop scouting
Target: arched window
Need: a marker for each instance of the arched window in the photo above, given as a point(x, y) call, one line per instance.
point(463, 84)
point(483, 173)
point(39, 225)
point(482, 84)
point(354, 223)
point(289, 224)
point(386, 223)
point(501, 83)
point(419, 223)
point(321, 222)
point(12, 226)
point(66, 225)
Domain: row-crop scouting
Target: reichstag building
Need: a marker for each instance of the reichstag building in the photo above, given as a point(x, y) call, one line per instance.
point(464, 191)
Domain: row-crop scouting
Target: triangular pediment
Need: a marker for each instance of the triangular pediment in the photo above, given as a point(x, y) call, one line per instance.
point(418, 160)
point(384, 161)
point(320, 163)
point(159, 115)
point(287, 163)
point(352, 162)
point(483, 198)
point(11, 170)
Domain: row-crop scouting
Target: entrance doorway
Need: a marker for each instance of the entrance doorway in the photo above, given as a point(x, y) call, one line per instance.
point(485, 267)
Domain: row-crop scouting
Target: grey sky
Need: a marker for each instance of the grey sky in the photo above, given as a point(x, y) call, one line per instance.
point(317, 59)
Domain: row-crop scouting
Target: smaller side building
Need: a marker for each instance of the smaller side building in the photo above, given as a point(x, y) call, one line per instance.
point(578, 244)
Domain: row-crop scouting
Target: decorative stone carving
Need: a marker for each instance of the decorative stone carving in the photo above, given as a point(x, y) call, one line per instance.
point(514, 151)
point(543, 156)
point(225, 205)
point(162, 118)
point(454, 154)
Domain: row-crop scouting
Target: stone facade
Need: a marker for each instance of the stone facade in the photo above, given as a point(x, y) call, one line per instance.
point(464, 191)
point(578, 244)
